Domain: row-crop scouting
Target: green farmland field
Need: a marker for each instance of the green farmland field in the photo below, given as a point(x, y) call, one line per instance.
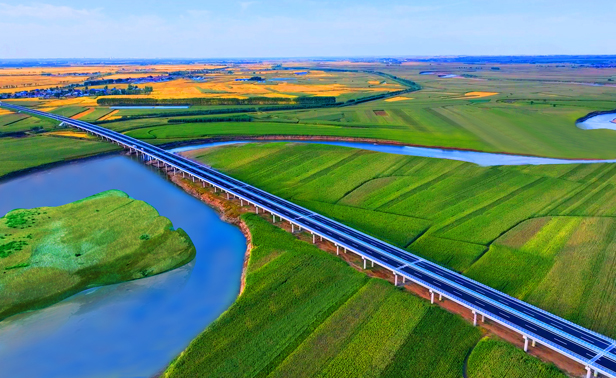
point(519, 364)
point(527, 230)
point(306, 313)
point(22, 153)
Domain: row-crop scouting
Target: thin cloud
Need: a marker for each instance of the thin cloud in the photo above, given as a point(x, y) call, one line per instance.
point(45, 11)
point(247, 4)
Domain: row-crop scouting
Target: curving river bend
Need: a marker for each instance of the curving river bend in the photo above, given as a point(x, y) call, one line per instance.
point(135, 329)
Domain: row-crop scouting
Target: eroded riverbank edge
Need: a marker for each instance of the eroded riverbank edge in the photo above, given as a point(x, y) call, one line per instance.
point(231, 210)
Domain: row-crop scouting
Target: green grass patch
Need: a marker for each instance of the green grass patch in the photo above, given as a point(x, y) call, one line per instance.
point(22, 153)
point(50, 253)
point(493, 358)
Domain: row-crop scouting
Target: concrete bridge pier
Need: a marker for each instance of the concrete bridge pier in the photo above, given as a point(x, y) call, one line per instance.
point(337, 250)
point(395, 279)
point(475, 318)
point(363, 258)
point(431, 297)
point(314, 238)
point(525, 344)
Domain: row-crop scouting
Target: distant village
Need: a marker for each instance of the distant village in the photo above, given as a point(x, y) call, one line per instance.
point(100, 87)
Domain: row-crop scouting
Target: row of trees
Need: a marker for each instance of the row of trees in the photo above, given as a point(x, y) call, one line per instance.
point(305, 100)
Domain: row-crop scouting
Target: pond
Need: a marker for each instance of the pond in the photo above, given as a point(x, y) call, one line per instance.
point(601, 121)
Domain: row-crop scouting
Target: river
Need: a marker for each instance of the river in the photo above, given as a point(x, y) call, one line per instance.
point(135, 329)
point(477, 157)
point(132, 329)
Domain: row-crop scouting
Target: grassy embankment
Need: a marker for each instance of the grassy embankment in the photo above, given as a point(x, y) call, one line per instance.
point(306, 313)
point(544, 234)
point(45, 144)
point(50, 253)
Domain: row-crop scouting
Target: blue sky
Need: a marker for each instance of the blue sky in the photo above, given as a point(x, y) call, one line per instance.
point(303, 28)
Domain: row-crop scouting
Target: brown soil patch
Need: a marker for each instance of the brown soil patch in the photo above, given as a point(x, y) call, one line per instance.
point(381, 113)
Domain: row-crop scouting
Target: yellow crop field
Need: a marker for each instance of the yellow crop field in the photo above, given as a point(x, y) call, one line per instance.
point(398, 98)
point(70, 134)
point(83, 114)
point(479, 94)
point(109, 116)
point(73, 101)
point(11, 84)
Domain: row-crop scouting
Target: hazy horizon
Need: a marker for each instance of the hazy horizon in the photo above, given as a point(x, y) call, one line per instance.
point(190, 29)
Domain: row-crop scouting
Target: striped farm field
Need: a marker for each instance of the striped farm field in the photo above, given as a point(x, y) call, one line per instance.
point(488, 357)
point(530, 231)
point(306, 313)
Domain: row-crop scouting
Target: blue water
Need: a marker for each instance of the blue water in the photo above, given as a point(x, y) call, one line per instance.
point(602, 121)
point(151, 107)
point(132, 329)
point(480, 158)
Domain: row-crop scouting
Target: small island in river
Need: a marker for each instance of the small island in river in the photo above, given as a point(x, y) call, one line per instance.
point(50, 253)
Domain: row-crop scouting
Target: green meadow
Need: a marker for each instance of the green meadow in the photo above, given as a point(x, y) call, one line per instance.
point(50, 253)
point(306, 313)
point(17, 154)
point(535, 232)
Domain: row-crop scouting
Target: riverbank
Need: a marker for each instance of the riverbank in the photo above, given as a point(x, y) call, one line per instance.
point(232, 210)
point(228, 212)
point(382, 142)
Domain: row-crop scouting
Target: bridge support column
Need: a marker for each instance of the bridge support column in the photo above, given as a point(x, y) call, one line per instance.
point(227, 195)
point(203, 183)
point(257, 209)
point(440, 297)
point(474, 318)
point(587, 372)
point(273, 218)
point(431, 297)
point(372, 261)
point(337, 250)
point(241, 202)
point(314, 239)
point(363, 258)
point(292, 228)
point(483, 320)
point(403, 278)
point(533, 343)
point(395, 279)
point(193, 177)
point(525, 344)
point(183, 174)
